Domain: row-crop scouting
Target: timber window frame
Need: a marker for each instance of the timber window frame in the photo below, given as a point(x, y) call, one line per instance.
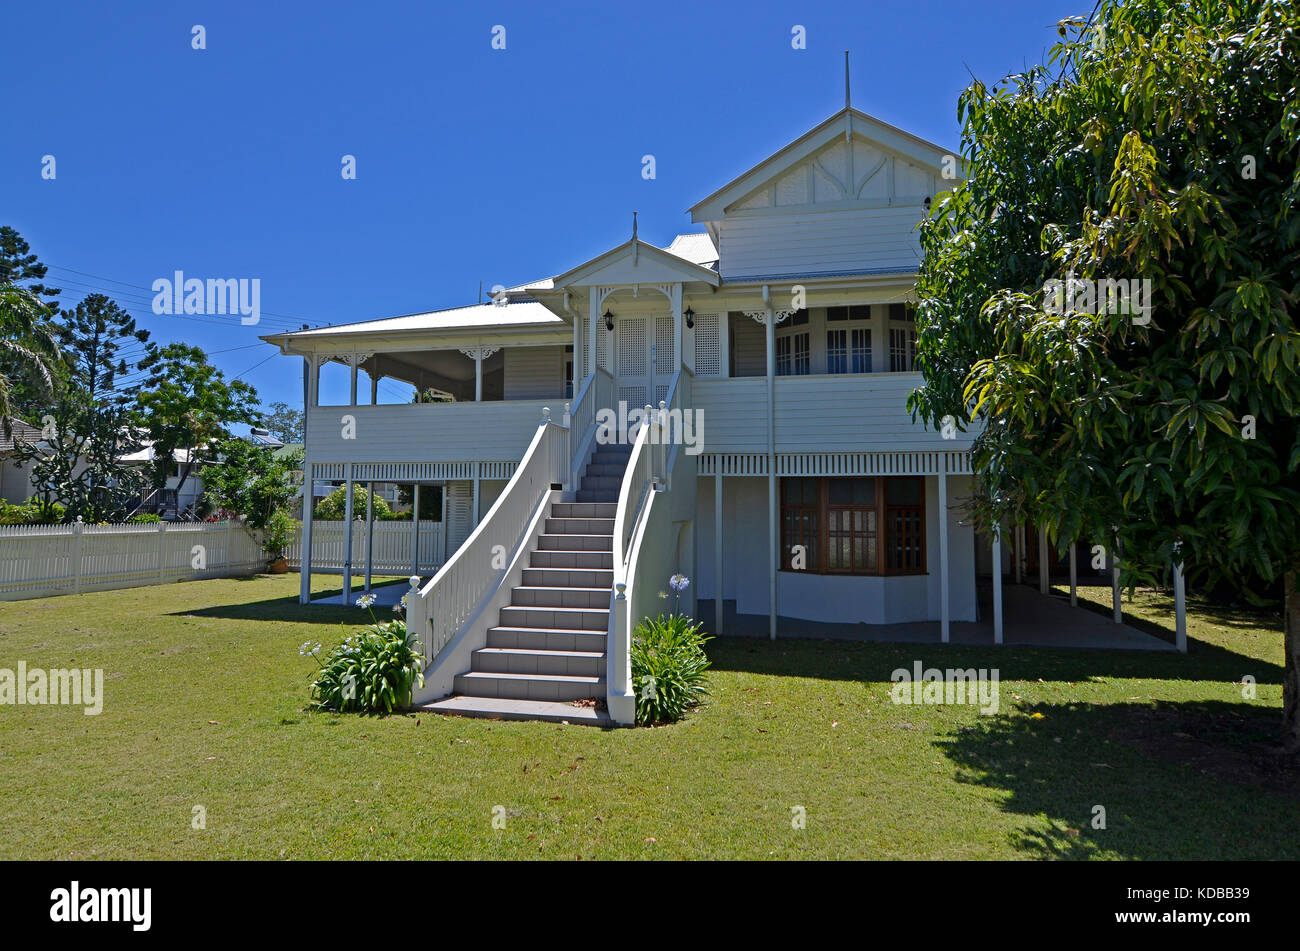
point(856, 525)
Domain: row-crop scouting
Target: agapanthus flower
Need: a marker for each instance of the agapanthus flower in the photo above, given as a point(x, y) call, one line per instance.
point(679, 582)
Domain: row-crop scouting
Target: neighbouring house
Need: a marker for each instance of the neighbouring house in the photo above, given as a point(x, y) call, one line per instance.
point(778, 468)
point(179, 497)
point(15, 474)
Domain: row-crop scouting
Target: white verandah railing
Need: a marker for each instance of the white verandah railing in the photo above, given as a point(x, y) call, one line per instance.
point(391, 551)
point(437, 612)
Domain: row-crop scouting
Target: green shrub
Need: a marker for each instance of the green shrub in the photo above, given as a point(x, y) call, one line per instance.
point(333, 506)
point(373, 671)
point(144, 518)
point(278, 533)
point(31, 512)
point(668, 665)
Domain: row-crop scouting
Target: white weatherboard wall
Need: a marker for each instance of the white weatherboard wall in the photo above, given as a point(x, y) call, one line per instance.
point(37, 561)
point(535, 373)
point(870, 599)
point(425, 432)
point(865, 412)
point(818, 242)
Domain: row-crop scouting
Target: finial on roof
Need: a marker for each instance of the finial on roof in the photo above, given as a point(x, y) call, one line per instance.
point(848, 106)
point(636, 245)
point(634, 224)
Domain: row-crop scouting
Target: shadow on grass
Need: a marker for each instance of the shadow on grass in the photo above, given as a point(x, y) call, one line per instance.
point(1176, 780)
point(288, 609)
point(1240, 617)
point(874, 661)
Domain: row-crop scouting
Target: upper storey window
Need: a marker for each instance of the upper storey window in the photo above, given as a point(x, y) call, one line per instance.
point(902, 339)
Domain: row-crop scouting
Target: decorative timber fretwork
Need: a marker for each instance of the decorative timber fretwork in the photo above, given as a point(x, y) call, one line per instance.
point(479, 353)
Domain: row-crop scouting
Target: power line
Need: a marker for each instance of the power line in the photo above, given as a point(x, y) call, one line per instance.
point(98, 277)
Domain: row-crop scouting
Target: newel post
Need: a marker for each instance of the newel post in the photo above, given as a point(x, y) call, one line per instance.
point(619, 673)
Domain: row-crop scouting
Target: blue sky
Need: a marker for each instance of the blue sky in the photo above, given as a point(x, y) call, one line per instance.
point(472, 163)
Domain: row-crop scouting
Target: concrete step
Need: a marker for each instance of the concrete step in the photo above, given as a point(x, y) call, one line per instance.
point(598, 495)
point(529, 660)
point(596, 483)
point(501, 708)
point(547, 542)
point(568, 578)
point(584, 510)
point(546, 639)
point(601, 560)
point(528, 686)
point(611, 469)
point(579, 526)
point(538, 596)
point(585, 619)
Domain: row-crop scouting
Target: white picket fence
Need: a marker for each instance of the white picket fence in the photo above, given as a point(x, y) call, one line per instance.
point(37, 561)
point(392, 552)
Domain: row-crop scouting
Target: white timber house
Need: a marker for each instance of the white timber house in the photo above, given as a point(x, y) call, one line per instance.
point(778, 467)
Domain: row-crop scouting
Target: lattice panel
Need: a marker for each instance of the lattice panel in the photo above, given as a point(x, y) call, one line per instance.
point(632, 348)
point(602, 345)
point(665, 361)
point(708, 345)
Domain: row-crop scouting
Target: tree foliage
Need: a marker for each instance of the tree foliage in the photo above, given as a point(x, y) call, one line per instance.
point(188, 404)
point(88, 429)
point(1161, 143)
point(249, 480)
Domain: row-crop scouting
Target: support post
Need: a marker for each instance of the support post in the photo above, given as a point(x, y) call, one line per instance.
point(1074, 574)
point(415, 528)
point(304, 544)
point(774, 555)
point(478, 375)
point(370, 531)
point(1117, 605)
point(997, 584)
point(717, 549)
point(1180, 609)
point(473, 515)
point(347, 538)
point(442, 525)
point(944, 623)
point(1044, 579)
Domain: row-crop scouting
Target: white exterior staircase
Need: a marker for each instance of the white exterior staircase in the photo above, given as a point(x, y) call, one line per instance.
point(546, 657)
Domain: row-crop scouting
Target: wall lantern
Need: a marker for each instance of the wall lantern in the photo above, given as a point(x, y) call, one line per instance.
point(609, 320)
point(690, 319)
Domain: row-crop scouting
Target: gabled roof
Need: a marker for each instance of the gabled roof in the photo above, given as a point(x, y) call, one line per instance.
point(20, 432)
point(882, 133)
point(623, 265)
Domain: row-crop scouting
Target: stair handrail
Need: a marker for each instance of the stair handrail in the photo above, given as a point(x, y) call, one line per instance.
point(438, 611)
point(596, 393)
point(649, 473)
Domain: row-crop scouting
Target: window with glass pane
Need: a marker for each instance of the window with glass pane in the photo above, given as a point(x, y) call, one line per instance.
point(793, 355)
point(902, 339)
point(848, 348)
point(851, 525)
point(840, 522)
point(904, 535)
point(800, 521)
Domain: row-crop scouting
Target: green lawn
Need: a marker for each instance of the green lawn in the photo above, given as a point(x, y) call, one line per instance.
point(205, 706)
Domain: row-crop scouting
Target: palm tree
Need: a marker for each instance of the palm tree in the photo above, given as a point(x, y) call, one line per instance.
point(24, 335)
